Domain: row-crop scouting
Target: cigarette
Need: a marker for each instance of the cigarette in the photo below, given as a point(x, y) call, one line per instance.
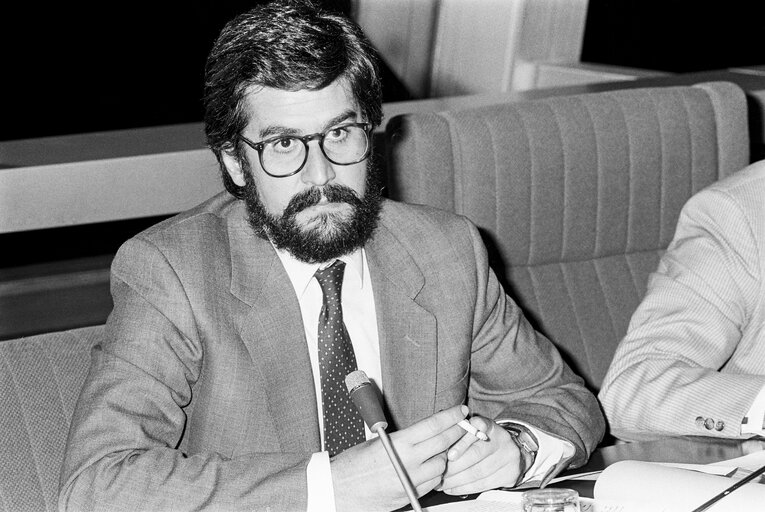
point(472, 430)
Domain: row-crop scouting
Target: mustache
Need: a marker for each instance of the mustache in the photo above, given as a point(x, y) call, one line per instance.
point(333, 193)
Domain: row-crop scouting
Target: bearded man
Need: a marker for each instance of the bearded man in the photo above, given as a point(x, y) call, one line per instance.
point(219, 382)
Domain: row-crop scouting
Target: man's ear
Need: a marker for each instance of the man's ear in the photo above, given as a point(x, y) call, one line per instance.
point(233, 166)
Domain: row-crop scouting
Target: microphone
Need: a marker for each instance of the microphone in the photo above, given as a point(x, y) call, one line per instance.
point(364, 397)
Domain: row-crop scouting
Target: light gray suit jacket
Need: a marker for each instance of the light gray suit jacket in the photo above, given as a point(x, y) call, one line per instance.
point(693, 359)
point(202, 394)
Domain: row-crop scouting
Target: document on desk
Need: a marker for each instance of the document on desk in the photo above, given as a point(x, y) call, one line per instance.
point(673, 489)
point(735, 468)
point(746, 463)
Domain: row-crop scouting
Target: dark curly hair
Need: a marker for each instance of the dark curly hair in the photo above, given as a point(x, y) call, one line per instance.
point(290, 45)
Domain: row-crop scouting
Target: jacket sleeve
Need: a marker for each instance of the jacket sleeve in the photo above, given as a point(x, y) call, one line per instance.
point(665, 377)
point(123, 451)
point(518, 374)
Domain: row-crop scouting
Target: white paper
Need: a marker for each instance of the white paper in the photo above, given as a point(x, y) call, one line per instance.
point(724, 468)
point(656, 485)
point(749, 462)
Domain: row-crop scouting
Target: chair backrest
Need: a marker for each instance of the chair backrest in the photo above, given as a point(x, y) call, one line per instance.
point(40, 380)
point(577, 197)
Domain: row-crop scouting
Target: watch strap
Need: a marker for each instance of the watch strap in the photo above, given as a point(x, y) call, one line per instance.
point(527, 444)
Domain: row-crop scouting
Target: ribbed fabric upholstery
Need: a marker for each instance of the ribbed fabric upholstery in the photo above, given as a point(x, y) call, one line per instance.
point(40, 379)
point(577, 196)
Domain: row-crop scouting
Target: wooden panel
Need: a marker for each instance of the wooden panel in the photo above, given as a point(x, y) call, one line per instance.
point(475, 46)
point(402, 32)
point(101, 145)
point(493, 46)
point(550, 74)
point(71, 193)
point(552, 32)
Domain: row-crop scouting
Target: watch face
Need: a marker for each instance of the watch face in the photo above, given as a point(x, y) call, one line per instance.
point(525, 440)
point(528, 442)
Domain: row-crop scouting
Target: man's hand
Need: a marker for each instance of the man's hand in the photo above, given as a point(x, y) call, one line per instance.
point(364, 479)
point(476, 466)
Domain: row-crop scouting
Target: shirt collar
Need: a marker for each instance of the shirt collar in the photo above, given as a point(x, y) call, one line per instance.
point(301, 273)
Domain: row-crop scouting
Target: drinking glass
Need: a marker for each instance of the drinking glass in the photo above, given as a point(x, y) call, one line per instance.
point(550, 500)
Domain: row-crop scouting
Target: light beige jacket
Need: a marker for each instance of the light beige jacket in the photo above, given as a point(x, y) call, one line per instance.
point(693, 359)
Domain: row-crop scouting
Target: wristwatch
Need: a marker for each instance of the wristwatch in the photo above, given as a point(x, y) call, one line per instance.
point(527, 444)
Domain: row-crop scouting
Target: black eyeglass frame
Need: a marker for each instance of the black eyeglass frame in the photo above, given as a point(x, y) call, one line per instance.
point(305, 139)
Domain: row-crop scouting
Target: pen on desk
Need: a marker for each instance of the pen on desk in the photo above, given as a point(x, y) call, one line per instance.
point(730, 489)
point(472, 430)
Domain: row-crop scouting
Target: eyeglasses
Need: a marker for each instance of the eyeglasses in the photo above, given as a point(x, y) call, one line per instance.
point(286, 155)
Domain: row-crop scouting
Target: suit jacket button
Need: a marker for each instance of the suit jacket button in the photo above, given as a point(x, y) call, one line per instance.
point(699, 421)
point(719, 426)
point(709, 423)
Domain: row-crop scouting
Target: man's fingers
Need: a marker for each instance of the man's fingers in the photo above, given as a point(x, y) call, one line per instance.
point(473, 487)
point(439, 443)
point(426, 487)
point(461, 446)
point(432, 468)
point(433, 425)
point(429, 437)
point(483, 426)
point(484, 465)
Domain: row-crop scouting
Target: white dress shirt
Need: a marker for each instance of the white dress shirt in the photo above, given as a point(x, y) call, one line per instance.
point(360, 318)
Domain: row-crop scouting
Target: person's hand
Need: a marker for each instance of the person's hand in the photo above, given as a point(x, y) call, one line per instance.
point(476, 466)
point(364, 479)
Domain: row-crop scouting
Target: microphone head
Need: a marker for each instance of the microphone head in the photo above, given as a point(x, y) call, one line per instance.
point(364, 397)
point(355, 379)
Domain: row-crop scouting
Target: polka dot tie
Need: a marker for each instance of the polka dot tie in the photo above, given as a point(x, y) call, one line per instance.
point(343, 426)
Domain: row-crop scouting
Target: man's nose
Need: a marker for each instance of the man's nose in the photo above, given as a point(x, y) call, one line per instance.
point(318, 170)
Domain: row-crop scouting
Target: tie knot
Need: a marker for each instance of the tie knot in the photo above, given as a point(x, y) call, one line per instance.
point(331, 280)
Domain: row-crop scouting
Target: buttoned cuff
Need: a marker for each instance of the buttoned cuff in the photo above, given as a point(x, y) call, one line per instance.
point(321, 494)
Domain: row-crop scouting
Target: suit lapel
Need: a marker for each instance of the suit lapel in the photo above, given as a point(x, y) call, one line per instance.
point(407, 331)
point(275, 340)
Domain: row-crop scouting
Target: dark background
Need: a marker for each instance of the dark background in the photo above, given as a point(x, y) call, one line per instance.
point(675, 35)
point(76, 67)
point(71, 68)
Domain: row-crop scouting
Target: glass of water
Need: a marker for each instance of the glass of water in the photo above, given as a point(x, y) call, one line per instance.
point(550, 500)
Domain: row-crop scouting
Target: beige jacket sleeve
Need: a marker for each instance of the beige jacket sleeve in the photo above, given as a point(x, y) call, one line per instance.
point(693, 359)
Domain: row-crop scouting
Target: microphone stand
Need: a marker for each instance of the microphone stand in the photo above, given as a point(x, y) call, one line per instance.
point(365, 399)
point(379, 429)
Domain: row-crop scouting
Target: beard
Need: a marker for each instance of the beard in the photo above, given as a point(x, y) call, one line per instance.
point(328, 235)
